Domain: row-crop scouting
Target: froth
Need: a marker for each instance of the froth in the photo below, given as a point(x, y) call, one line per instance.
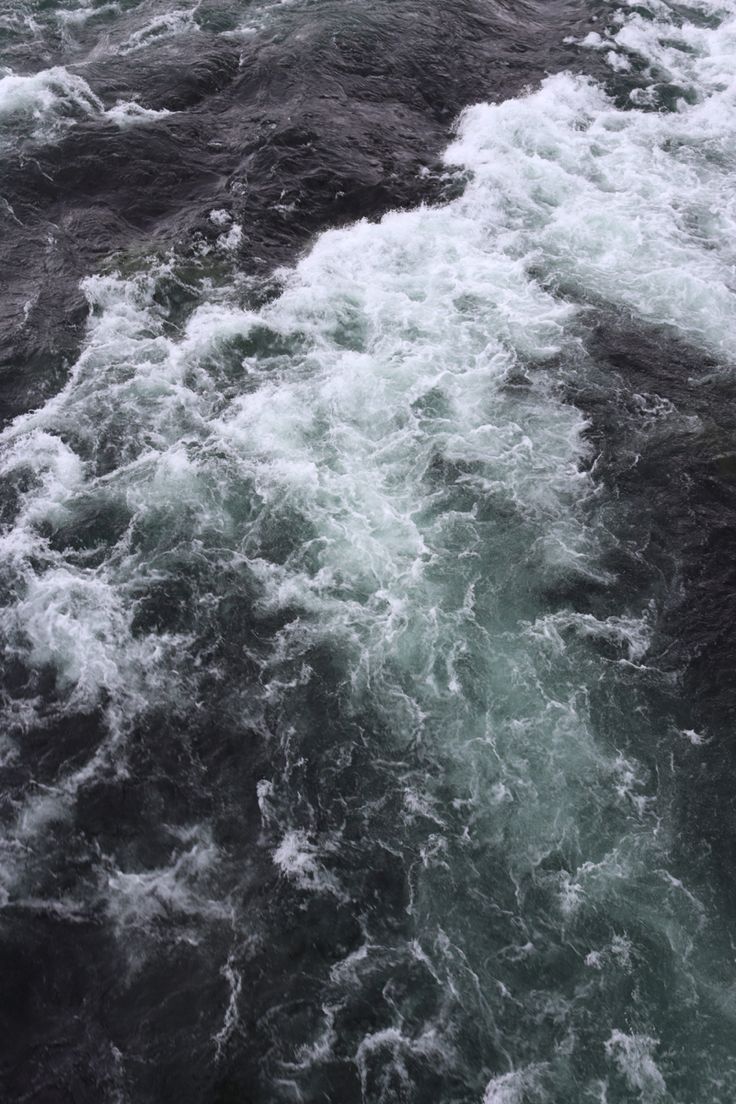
point(374, 482)
point(623, 206)
point(47, 102)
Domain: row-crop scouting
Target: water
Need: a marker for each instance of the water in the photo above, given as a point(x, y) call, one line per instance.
point(367, 553)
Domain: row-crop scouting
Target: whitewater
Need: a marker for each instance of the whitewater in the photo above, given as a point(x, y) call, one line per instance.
point(350, 732)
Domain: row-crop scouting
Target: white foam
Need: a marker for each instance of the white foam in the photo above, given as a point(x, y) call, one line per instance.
point(697, 739)
point(632, 1054)
point(520, 1086)
point(390, 1050)
point(299, 858)
point(231, 1018)
point(168, 25)
point(631, 634)
point(138, 899)
point(46, 102)
point(220, 217)
point(626, 206)
point(128, 112)
point(77, 17)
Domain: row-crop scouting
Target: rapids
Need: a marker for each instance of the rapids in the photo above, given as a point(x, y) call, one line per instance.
point(367, 599)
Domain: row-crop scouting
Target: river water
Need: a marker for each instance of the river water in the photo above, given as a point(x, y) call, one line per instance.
point(368, 530)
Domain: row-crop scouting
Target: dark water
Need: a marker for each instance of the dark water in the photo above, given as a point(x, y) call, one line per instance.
point(368, 553)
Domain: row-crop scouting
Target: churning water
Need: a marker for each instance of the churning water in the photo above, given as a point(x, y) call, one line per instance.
point(368, 552)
